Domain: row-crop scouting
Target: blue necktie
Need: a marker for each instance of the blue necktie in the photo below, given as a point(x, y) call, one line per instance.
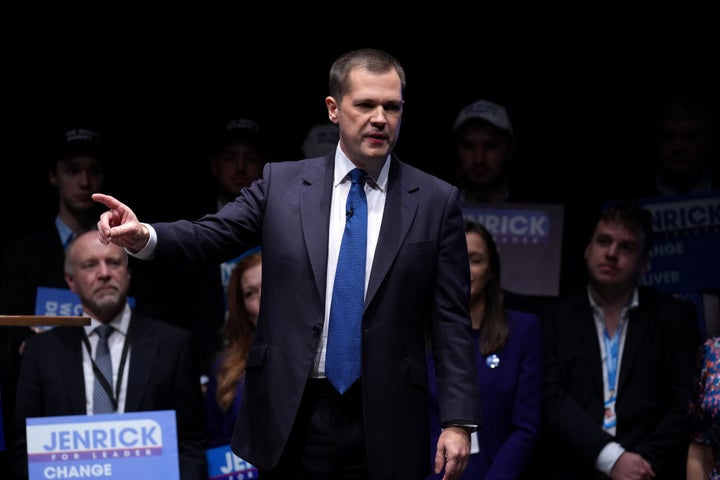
point(342, 360)
point(102, 402)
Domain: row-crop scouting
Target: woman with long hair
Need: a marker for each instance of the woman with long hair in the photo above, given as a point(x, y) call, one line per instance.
point(226, 382)
point(508, 356)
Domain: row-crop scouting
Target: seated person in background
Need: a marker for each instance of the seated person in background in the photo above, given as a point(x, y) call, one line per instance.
point(683, 150)
point(619, 361)
point(484, 146)
point(704, 452)
point(57, 375)
point(76, 168)
point(489, 173)
point(194, 297)
point(225, 386)
point(683, 161)
point(508, 353)
point(237, 159)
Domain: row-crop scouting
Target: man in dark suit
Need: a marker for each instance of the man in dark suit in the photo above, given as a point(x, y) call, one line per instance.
point(153, 359)
point(619, 361)
point(293, 423)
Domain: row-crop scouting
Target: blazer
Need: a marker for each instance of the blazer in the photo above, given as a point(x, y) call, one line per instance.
point(512, 409)
point(653, 386)
point(161, 376)
point(419, 278)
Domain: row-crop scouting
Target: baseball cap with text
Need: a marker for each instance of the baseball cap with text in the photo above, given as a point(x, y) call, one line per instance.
point(484, 110)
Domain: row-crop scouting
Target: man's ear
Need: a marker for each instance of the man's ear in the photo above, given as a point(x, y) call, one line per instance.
point(332, 107)
point(70, 282)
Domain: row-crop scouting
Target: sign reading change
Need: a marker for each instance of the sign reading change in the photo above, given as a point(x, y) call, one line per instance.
point(111, 446)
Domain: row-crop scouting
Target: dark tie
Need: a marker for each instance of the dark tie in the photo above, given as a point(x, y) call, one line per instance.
point(102, 401)
point(342, 360)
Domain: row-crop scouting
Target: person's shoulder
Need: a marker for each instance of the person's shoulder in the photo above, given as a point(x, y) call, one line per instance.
point(43, 233)
point(165, 329)
point(305, 169)
point(661, 301)
point(43, 341)
point(522, 320)
point(412, 177)
point(713, 343)
point(575, 298)
point(521, 315)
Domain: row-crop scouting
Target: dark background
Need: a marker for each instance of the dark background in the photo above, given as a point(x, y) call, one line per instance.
point(579, 93)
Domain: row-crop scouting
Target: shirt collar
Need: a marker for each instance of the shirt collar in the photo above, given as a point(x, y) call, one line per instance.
point(634, 300)
point(120, 323)
point(343, 165)
point(64, 231)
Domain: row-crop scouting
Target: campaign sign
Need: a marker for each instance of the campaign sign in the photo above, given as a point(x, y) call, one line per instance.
point(57, 301)
point(529, 237)
point(109, 446)
point(51, 302)
point(685, 255)
point(223, 464)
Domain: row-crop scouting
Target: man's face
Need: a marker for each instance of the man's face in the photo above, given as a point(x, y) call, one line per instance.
point(615, 255)
point(484, 153)
point(76, 179)
point(236, 167)
point(368, 115)
point(99, 274)
point(684, 146)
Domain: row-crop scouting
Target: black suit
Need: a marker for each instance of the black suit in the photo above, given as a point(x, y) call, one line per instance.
point(161, 376)
point(653, 390)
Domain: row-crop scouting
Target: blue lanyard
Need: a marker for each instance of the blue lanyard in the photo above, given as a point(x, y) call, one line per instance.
point(612, 350)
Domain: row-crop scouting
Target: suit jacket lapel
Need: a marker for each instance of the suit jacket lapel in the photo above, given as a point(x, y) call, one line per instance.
point(589, 340)
point(70, 353)
point(315, 217)
point(637, 324)
point(143, 345)
point(398, 216)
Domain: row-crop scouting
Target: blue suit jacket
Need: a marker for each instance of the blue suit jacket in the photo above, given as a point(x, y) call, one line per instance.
point(419, 279)
point(511, 405)
point(162, 376)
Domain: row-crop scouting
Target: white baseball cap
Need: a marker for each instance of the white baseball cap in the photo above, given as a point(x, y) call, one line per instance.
point(484, 110)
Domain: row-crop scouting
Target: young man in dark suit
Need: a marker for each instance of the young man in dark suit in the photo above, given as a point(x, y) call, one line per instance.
point(619, 361)
point(293, 423)
point(154, 358)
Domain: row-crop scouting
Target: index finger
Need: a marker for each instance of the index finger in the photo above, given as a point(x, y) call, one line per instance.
point(107, 200)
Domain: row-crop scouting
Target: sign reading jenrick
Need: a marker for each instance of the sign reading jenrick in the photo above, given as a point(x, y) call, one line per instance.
point(119, 446)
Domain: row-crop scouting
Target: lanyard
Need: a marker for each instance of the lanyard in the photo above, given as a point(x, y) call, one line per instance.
point(612, 351)
point(104, 382)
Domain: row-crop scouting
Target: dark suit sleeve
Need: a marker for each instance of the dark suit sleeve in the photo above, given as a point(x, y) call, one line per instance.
point(452, 342)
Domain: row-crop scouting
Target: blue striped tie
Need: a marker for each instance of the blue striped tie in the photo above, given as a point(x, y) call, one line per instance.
point(102, 402)
point(342, 361)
